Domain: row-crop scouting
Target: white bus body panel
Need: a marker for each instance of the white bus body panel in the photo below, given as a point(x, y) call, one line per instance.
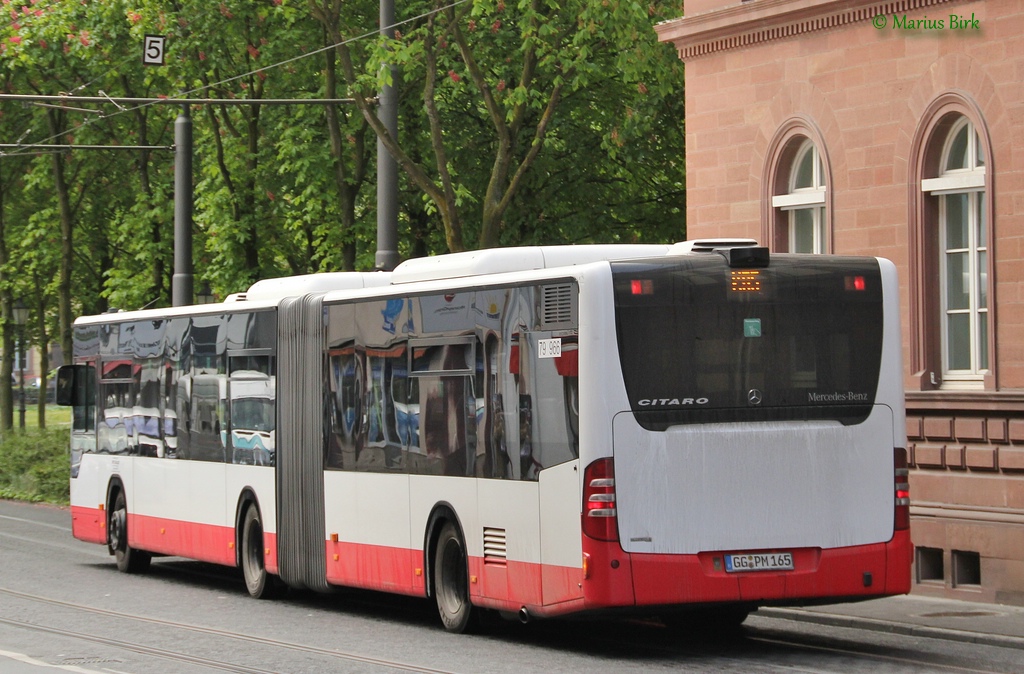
point(201, 492)
point(561, 544)
point(489, 261)
point(368, 509)
point(601, 388)
point(196, 492)
point(732, 486)
point(753, 486)
point(187, 491)
point(513, 508)
point(89, 489)
point(428, 491)
point(274, 289)
point(890, 381)
point(262, 481)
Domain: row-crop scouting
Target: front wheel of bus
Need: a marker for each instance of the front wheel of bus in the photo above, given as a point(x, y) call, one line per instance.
point(129, 560)
point(451, 576)
point(258, 582)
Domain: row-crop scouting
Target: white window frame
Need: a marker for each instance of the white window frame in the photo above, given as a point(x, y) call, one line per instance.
point(805, 198)
point(970, 181)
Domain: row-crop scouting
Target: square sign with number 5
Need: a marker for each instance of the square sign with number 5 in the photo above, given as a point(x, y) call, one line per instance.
point(153, 50)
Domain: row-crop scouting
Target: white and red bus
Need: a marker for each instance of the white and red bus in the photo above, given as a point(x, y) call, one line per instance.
point(541, 431)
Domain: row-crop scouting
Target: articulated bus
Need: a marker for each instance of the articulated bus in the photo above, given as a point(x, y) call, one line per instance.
point(695, 429)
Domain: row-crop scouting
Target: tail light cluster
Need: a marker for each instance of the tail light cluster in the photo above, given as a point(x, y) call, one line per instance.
point(902, 475)
point(599, 513)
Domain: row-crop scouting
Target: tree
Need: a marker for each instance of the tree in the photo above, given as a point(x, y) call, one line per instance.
point(493, 78)
point(532, 122)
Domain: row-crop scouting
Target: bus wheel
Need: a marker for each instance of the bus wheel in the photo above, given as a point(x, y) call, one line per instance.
point(451, 581)
point(129, 560)
point(259, 583)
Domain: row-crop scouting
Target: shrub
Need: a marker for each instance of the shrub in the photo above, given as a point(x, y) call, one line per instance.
point(34, 465)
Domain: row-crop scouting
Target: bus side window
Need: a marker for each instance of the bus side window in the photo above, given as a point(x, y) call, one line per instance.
point(115, 407)
point(447, 403)
point(548, 402)
point(76, 387)
point(345, 407)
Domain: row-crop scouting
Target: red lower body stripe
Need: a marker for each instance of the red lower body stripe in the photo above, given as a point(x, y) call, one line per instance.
point(89, 524)
point(203, 542)
point(617, 579)
point(660, 580)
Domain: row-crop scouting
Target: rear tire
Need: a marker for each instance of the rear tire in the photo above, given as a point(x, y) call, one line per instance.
point(258, 582)
point(451, 581)
point(129, 560)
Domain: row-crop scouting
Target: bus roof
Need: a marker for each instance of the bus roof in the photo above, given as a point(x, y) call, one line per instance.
point(292, 286)
point(500, 260)
point(486, 262)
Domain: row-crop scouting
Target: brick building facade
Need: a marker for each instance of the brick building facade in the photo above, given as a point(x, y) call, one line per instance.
point(894, 129)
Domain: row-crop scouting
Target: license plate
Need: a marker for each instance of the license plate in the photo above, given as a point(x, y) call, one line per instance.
point(752, 561)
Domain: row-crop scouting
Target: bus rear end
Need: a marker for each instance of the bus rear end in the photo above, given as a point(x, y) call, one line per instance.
point(760, 458)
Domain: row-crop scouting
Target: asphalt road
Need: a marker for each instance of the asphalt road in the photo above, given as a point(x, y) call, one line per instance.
point(65, 607)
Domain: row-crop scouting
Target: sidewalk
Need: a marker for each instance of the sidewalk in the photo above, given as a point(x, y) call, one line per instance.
point(988, 624)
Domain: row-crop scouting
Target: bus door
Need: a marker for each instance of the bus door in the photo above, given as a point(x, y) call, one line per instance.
point(554, 444)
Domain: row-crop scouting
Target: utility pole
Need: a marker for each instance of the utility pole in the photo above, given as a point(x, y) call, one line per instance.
point(181, 281)
point(387, 168)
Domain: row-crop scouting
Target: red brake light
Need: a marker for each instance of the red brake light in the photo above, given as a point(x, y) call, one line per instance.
point(600, 517)
point(642, 286)
point(901, 473)
point(855, 283)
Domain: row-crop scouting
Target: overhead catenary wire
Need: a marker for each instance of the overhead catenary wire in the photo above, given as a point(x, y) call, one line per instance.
point(182, 99)
point(65, 148)
point(51, 100)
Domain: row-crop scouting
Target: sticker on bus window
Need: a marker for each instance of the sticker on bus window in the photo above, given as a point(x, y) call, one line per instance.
point(751, 327)
point(549, 348)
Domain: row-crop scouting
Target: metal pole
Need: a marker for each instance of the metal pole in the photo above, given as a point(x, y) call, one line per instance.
point(181, 282)
point(387, 169)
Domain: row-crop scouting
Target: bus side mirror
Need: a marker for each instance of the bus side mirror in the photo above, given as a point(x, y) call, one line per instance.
point(66, 376)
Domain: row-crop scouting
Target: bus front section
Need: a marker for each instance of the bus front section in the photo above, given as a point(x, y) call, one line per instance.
point(759, 457)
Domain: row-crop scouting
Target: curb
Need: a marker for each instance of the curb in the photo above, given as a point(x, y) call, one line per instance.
point(892, 627)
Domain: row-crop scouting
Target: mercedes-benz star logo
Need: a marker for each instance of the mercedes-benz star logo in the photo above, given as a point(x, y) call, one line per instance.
point(754, 397)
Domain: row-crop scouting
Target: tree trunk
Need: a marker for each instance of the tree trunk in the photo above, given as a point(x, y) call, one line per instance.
point(44, 351)
point(67, 251)
point(348, 185)
point(7, 362)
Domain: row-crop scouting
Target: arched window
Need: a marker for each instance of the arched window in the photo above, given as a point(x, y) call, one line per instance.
point(800, 214)
point(957, 196)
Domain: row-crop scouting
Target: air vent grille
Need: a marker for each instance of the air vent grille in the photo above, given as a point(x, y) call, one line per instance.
point(556, 306)
point(494, 546)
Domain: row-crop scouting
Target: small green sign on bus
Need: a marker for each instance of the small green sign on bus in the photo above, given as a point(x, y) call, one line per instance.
point(751, 327)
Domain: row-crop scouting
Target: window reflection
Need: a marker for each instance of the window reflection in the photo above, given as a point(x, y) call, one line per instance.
point(170, 389)
point(422, 385)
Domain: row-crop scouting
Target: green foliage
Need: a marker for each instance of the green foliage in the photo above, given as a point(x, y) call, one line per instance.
point(34, 465)
point(520, 88)
point(559, 121)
